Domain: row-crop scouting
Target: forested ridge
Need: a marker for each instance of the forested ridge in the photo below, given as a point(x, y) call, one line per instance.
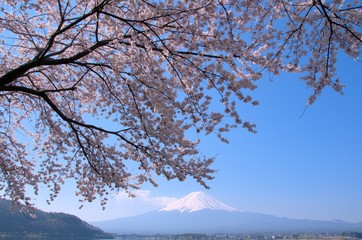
point(13, 221)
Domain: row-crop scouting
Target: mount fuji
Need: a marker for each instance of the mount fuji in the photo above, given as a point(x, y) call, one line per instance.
point(198, 212)
point(197, 201)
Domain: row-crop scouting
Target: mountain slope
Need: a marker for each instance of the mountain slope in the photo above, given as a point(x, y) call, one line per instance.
point(197, 201)
point(12, 221)
point(208, 221)
point(200, 213)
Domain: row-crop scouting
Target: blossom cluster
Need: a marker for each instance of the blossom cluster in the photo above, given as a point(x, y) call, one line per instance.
point(91, 88)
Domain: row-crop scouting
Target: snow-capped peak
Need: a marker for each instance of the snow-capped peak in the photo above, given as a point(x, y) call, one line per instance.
point(197, 201)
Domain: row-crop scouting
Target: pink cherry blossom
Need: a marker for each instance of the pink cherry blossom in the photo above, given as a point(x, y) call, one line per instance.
point(90, 89)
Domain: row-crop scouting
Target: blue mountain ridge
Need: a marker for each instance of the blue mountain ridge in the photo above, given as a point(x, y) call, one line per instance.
point(187, 215)
point(214, 221)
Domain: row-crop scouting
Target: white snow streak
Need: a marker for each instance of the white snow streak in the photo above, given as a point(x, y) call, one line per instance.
point(197, 201)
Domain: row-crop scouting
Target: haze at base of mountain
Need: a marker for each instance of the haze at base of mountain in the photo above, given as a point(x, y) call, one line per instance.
point(200, 213)
point(46, 224)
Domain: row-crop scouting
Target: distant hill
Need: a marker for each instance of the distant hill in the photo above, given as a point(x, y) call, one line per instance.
point(201, 213)
point(14, 222)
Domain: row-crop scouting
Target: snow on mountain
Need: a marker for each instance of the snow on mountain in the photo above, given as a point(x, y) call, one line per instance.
point(197, 201)
point(195, 213)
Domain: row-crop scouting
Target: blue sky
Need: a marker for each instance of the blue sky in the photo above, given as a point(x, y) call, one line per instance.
point(307, 167)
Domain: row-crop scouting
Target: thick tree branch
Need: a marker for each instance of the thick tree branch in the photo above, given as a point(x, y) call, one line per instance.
point(44, 96)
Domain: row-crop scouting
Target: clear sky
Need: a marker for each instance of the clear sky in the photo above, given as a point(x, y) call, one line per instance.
point(309, 167)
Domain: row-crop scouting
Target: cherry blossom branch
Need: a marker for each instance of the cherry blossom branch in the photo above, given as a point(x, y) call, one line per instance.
point(45, 97)
point(331, 22)
point(155, 70)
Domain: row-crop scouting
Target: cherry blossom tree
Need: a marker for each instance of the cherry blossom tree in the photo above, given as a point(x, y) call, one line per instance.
point(93, 89)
